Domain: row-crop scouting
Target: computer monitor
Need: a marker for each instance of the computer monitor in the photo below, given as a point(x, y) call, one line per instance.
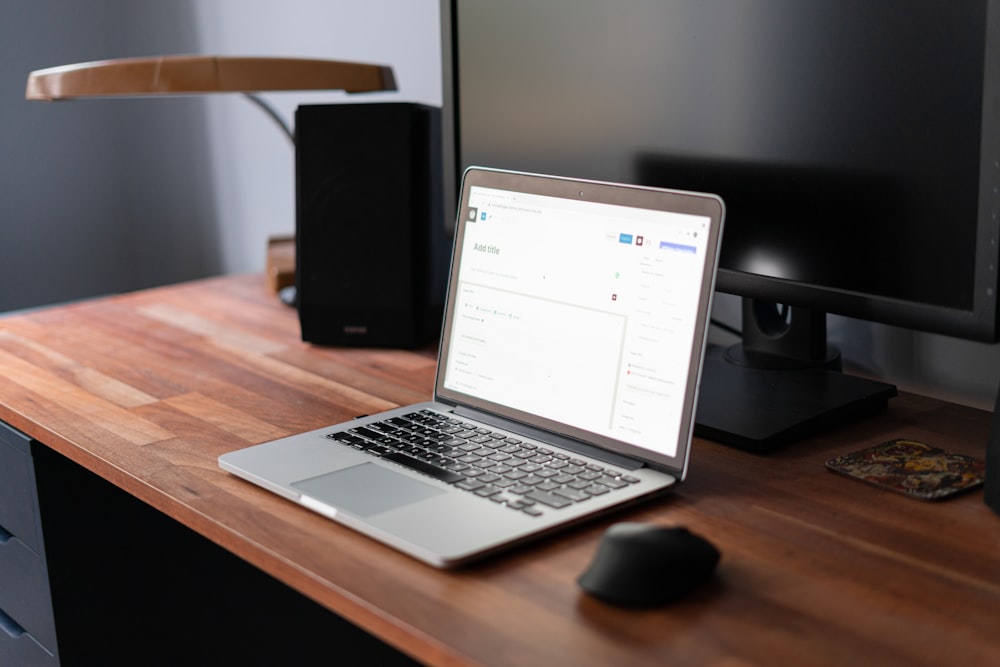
point(857, 147)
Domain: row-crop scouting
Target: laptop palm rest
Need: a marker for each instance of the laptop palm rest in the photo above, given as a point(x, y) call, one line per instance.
point(366, 489)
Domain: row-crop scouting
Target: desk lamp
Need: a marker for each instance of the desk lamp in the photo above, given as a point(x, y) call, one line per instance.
point(196, 75)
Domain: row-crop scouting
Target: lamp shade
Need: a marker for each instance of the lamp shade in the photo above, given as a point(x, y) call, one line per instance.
point(187, 74)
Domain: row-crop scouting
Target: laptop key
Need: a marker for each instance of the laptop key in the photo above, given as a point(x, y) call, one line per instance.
point(446, 476)
point(347, 439)
point(367, 433)
point(549, 499)
point(612, 482)
point(572, 494)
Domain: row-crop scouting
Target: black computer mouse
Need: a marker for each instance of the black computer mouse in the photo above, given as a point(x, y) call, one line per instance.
point(640, 564)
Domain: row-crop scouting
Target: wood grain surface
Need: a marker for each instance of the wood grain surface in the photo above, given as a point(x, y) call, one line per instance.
point(148, 389)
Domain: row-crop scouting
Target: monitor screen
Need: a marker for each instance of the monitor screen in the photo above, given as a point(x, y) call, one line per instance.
point(848, 139)
point(856, 144)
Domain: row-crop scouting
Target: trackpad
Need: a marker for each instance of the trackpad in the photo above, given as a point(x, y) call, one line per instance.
point(366, 489)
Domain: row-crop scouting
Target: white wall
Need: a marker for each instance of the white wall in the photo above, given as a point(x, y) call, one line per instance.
point(73, 208)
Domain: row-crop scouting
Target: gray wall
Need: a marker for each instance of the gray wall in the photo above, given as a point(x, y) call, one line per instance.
point(79, 208)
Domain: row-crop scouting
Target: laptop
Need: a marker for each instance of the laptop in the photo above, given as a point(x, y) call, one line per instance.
point(567, 379)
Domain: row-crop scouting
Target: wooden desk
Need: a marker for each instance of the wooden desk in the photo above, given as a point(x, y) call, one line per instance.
point(146, 390)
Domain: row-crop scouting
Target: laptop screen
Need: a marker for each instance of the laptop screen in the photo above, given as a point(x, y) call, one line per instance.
point(584, 313)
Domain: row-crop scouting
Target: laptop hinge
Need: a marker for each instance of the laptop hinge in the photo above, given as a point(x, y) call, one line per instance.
point(582, 448)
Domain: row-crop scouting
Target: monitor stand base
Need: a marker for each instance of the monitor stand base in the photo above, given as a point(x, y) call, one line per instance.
point(762, 409)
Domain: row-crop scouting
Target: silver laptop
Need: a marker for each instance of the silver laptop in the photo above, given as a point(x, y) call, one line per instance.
point(567, 378)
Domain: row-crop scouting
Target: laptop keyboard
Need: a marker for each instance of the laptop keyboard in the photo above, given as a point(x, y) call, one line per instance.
point(520, 475)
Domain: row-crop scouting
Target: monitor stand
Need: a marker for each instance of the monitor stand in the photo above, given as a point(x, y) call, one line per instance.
point(761, 395)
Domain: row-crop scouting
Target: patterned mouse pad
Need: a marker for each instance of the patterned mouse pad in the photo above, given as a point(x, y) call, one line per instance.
point(912, 468)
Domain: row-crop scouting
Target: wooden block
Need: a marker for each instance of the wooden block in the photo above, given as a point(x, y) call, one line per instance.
point(280, 262)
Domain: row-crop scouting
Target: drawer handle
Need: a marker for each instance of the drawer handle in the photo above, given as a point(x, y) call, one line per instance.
point(9, 626)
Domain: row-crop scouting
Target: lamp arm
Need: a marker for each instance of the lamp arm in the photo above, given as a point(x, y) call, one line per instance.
point(270, 111)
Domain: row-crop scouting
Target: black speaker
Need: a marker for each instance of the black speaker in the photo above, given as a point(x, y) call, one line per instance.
point(992, 487)
point(371, 250)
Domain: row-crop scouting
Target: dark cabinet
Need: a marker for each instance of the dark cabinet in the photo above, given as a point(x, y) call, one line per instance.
point(27, 627)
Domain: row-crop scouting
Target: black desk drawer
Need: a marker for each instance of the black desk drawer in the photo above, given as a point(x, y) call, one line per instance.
point(27, 625)
point(19, 648)
point(18, 507)
point(24, 590)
